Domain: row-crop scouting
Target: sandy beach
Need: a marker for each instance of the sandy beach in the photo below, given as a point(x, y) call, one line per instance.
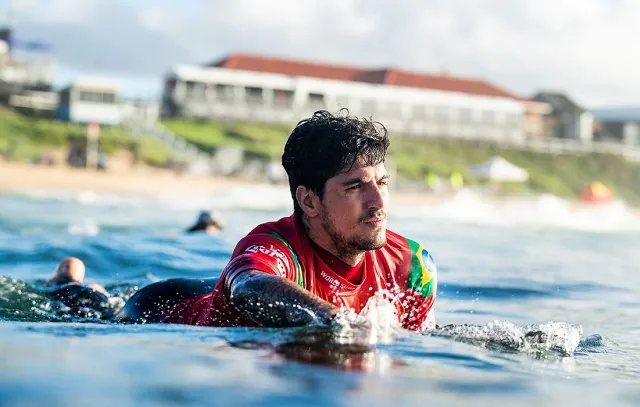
point(140, 180)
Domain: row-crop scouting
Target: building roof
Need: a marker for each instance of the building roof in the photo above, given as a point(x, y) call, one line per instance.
point(385, 76)
point(559, 102)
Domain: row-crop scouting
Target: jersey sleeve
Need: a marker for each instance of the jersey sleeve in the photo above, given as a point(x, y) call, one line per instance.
point(262, 252)
point(416, 307)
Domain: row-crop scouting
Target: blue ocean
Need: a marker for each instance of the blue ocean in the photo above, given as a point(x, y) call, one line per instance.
point(567, 274)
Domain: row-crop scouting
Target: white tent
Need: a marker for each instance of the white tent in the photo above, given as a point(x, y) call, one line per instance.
point(499, 169)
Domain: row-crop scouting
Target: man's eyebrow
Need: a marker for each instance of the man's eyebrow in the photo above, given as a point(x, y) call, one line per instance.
point(351, 181)
point(358, 180)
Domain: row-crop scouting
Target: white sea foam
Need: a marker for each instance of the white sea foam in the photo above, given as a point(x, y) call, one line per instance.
point(86, 227)
point(376, 323)
point(466, 206)
point(542, 211)
point(545, 339)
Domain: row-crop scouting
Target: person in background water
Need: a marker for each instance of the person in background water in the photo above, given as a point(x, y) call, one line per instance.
point(333, 252)
point(209, 222)
point(66, 285)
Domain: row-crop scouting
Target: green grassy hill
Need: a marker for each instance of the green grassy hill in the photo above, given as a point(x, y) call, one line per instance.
point(24, 138)
point(260, 139)
point(562, 175)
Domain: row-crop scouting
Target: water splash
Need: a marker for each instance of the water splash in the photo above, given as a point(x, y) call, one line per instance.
point(21, 301)
point(351, 342)
point(550, 339)
point(377, 323)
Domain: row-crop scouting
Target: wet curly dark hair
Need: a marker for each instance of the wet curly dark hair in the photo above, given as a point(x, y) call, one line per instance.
point(325, 145)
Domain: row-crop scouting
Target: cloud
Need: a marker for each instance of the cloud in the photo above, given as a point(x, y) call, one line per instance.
point(100, 36)
point(584, 48)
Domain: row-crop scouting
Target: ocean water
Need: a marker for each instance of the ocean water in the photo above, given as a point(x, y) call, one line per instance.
point(542, 298)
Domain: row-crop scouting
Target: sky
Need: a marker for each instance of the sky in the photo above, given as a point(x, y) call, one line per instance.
point(585, 48)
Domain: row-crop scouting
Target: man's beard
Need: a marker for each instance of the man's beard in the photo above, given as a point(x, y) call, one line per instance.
point(347, 246)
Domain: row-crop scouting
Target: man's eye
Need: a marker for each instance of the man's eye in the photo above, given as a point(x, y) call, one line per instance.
point(354, 187)
point(382, 182)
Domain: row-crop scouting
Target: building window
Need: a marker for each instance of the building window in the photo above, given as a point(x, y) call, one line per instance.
point(195, 90)
point(253, 95)
point(466, 116)
point(442, 114)
point(393, 109)
point(96, 97)
point(342, 102)
point(189, 85)
point(367, 107)
point(65, 97)
point(418, 112)
point(225, 93)
point(211, 91)
point(85, 96)
point(282, 98)
point(488, 117)
point(108, 98)
point(513, 120)
point(316, 101)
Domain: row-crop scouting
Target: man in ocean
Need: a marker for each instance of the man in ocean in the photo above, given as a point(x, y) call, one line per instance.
point(334, 252)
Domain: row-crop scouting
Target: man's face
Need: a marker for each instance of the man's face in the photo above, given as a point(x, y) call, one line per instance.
point(353, 208)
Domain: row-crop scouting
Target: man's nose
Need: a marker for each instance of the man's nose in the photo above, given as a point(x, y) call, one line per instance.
point(376, 198)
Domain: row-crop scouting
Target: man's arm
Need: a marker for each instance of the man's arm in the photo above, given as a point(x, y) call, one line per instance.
point(276, 302)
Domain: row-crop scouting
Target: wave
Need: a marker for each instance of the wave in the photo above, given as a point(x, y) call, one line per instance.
point(257, 197)
point(550, 339)
point(466, 206)
point(25, 302)
point(543, 211)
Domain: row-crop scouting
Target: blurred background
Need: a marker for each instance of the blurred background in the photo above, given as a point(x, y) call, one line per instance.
point(515, 159)
point(516, 98)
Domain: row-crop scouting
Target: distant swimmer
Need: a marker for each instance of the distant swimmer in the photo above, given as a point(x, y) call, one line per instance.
point(209, 222)
point(66, 285)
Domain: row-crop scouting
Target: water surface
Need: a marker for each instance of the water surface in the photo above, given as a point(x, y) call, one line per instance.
point(501, 270)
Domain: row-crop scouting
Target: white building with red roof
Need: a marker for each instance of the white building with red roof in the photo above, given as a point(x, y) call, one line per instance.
point(264, 89)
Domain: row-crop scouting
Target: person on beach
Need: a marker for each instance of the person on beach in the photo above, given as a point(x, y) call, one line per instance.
point(333, 253)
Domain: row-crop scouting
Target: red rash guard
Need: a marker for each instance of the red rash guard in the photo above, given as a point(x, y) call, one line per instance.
point(402, 267)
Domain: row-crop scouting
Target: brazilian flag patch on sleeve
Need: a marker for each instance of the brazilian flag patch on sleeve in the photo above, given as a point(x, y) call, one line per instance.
point(423, 275)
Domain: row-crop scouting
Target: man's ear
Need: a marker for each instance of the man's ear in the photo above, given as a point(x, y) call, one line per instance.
point(307, 200)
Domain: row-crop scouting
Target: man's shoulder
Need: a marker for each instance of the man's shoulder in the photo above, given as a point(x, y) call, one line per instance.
point(268, 247)
point(282, 227)
point(417, 263)
point(275, 236)
point(397, 241)
point(405, 248)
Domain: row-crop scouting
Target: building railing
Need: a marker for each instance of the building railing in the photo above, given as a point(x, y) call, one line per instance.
point(504, 135)
point(179, 146)
point(557, 146)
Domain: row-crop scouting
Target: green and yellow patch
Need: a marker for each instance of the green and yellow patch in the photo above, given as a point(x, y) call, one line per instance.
point(423, 273)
